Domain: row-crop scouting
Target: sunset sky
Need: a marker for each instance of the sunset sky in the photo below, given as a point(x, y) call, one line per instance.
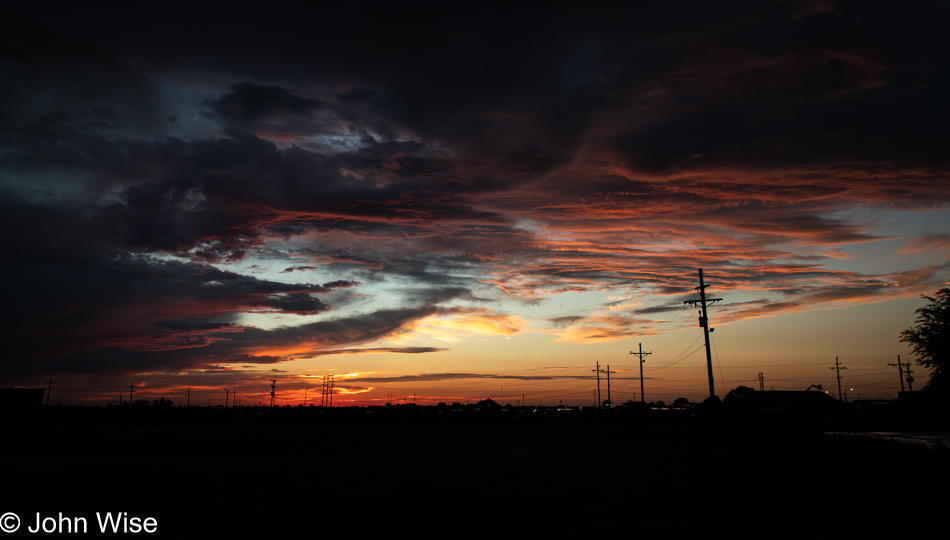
point(457, 203)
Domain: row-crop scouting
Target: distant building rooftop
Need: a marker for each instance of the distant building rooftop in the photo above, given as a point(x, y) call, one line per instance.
point(19, 397)
point(778, 399)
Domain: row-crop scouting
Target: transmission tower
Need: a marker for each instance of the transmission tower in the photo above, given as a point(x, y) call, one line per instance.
point(326, 394)
point(704, 323)
point(273, 391)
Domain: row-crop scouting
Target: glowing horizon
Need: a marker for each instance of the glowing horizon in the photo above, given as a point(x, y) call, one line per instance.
point(209, 212)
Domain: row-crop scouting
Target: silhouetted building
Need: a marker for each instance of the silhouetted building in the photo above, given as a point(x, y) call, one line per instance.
point(14, 398)
point(747, 398)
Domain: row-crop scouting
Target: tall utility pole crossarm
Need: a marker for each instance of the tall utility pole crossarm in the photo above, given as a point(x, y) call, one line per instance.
point(704, 323)
point(641, 354)
point(900, 371)
point(608, 372)
point(838, 367)
point(598, 371)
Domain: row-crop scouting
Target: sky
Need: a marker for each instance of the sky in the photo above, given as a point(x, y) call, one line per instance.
point(438, 202)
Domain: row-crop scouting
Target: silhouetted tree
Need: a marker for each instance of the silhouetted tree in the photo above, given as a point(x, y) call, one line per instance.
point(681, 402)
point(930, 338)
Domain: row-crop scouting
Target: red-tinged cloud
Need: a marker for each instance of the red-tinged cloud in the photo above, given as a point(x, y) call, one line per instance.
point(611, 150)
point(937, 241)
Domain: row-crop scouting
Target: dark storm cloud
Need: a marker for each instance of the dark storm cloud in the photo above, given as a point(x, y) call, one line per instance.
point(534, 150)
point(297, 303)
point(217, 348)
point(70, 295)
point(397, 350)
point(252, 106)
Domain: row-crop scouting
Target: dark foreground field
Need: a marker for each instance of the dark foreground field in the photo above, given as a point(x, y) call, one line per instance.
point(538, 480)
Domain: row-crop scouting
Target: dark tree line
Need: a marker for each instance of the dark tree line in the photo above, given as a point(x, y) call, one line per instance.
point(930, 339)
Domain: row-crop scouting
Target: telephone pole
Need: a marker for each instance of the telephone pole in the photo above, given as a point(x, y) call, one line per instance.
point(900, 371)
point(608, 372)
point(598, 371)
point(838, 367)
point(704, 323)
point(226, 394)
point(188, 397)
point(131, 391)
point(641, 354)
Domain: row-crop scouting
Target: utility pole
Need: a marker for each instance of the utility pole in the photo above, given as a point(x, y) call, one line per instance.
point(900, 371)
point(49, 389)
point(704, 322)
point(761, 382)
point(273, 391)
point(608, 372)
point(598, 371)
point(131, 390)
point(641, 354)
point(226, 394)
point(188, 397)
point(838, 367)
point(910, 378)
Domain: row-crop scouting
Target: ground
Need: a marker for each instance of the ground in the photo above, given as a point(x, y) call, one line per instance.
point(531, 480)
